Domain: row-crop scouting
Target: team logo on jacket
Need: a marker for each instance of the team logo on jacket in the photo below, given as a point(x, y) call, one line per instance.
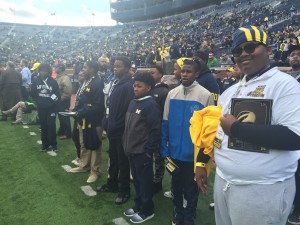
point(258, 92)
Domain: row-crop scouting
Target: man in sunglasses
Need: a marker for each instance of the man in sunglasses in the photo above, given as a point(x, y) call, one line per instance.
point(256, 186)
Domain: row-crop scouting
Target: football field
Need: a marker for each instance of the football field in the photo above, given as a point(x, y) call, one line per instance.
point(36, 190)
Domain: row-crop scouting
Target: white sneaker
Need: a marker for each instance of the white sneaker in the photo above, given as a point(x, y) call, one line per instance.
point(76, 161)
point(168, 194)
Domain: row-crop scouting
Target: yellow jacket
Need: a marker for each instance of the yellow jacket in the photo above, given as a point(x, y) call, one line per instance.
point(204, 124)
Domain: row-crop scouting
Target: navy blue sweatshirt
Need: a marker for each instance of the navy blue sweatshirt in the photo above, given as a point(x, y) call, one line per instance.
point(46, 93)
point(207, 80)
point(119, 100)
point(142, 126)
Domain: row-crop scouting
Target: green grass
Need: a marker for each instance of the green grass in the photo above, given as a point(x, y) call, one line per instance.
point(35, 189)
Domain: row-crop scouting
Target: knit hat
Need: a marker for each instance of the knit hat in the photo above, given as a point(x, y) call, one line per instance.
point(248, 34)
point(180, 61)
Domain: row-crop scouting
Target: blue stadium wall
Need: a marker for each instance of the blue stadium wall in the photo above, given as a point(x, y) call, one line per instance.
point(139, 10)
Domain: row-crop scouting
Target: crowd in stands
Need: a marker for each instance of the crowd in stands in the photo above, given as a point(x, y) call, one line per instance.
point(126, 104)
point(140, 40)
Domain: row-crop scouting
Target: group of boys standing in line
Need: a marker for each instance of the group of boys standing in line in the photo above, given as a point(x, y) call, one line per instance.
point(146, 122)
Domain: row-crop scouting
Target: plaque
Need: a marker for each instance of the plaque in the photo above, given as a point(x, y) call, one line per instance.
point(252, 111)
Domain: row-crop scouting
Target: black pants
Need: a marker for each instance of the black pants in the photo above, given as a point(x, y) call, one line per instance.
point(64, 121)
point(141, 166)
point(75, 138)
point(159, 163)
point(48, 127)
point(119, 171)
point(24, 92)
point(297, 196)
point(183, 184)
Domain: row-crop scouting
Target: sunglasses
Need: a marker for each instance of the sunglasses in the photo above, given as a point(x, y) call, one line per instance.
point(248, 48)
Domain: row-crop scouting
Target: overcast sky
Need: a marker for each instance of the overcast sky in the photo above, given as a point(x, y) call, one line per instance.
point(57, 12)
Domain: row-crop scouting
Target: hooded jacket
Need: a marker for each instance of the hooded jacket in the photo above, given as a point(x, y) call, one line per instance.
point(207, 80)
point(46, 92)
point(159, 93)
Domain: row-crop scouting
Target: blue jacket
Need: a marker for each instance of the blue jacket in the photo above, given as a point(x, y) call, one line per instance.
point(180, 104)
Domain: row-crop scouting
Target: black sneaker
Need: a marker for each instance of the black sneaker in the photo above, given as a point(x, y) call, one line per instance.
point(157, 187)
point(294, 219)
point(122, 198)
point(106, 188)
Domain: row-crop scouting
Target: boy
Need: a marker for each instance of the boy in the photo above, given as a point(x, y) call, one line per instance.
point(140, 139)
point(46, 93)
point(180, 104)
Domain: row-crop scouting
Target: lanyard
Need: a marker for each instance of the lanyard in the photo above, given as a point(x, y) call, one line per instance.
point(46, 83)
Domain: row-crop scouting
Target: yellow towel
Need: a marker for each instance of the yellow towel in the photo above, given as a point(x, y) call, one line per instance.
point(204, 124)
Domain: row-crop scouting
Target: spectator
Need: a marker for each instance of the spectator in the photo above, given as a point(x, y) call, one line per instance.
point(104, 71)
point(35, 73)
point(19, 108)
point(295, 61)
point(26, 79)
point(174, 50)
point(225, 60)
point(65, 88)
point(212, 60)
point(230, 78)
point(10, 87)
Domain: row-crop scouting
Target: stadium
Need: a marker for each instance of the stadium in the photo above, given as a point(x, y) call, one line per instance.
point(38, 188)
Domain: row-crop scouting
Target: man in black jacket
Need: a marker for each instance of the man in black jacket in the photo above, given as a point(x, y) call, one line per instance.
point(46, 92)
point(120, 95)
point(159, 93)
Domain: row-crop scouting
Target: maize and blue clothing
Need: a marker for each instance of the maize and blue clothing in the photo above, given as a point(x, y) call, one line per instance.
point(141, 138)
point(176, 143)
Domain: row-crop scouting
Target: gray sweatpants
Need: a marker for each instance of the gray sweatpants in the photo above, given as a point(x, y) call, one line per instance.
point(255, 204)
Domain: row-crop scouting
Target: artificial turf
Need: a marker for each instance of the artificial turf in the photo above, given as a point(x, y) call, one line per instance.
point(35, 189)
